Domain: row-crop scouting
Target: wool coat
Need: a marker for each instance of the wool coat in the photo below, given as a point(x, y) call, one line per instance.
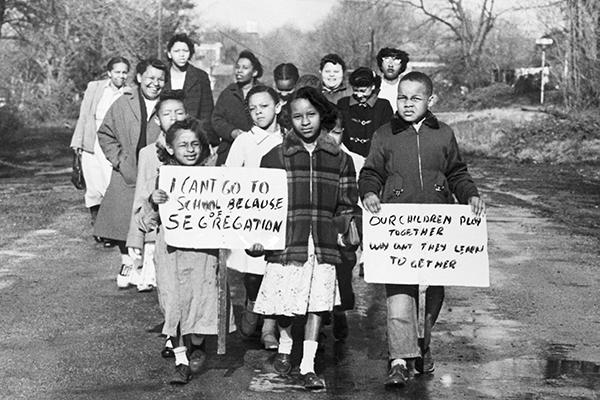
point(118, 136)
point(321, 188)
point(84, 135)
point(230, 113)
point(198, 99)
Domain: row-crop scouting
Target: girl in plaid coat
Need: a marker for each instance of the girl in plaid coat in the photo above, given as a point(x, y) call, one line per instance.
point(300, 280)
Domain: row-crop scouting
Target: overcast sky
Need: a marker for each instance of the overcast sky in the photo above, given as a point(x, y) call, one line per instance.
point(265, 15)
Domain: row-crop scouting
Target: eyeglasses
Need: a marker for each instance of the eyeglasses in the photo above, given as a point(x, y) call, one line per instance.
point(392, 59)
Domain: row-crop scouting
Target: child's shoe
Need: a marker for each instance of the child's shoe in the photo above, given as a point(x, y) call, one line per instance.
point(197, 359)
point(282, 363)
point(167, 351)
point(313, 382)
point(124, 277)
point(425, 364)
point(249, 320)
point(397, 376)
point(182, 375)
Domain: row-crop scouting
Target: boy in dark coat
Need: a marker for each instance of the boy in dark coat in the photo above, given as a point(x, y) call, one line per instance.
point(414, 159)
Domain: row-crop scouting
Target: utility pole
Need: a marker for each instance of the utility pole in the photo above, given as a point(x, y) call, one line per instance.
point(543, 42)
point(159, 47)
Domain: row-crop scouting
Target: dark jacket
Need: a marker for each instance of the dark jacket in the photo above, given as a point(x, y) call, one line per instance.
point(198, 100)
point(404, 166)
point(334, 95)
point(198, 94)
point(230, 113)
point(360, 121)
point(313, 207)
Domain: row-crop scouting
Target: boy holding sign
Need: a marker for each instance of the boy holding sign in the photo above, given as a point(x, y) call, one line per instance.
point(414, 159)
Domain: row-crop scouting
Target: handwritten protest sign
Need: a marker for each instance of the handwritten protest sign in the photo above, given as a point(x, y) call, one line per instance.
point(224, 208)
point(428, 244)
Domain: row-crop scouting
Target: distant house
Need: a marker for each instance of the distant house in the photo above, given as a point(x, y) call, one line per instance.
point(208, 57)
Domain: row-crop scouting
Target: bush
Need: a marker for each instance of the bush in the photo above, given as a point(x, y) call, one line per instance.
point(573, 137)
point(9, 122)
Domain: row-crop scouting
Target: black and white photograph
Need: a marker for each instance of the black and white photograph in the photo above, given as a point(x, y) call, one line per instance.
point(300, 199)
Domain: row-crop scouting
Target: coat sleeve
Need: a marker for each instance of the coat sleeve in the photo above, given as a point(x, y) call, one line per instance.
point(220, 124)
point(235, 157)
point(347, 201)
point(84, 114)
point(143, 189)
point(145, 216)
point(206, 99)
point(108, 137)
point(372, 175)
point(459, 180)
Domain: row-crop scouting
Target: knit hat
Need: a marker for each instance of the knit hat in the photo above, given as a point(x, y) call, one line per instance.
point(362, 77)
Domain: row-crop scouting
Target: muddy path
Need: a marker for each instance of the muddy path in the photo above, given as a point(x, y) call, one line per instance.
point(69, 333)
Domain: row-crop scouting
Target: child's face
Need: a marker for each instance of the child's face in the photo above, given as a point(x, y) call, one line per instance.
point(306, 120)
point(263, 109)
point(118, 74)
point(185, 147)
point(244, 71)
point(362, 93)
point(413, 100)
point(332, 75)
point(169, 112)
point(179, 54)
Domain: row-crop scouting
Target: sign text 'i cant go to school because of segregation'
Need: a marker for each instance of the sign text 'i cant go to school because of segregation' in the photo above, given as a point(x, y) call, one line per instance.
point(428, 244)
point(223, 208)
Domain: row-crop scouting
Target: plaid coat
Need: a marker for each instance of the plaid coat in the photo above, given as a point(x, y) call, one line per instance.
point(321, 188)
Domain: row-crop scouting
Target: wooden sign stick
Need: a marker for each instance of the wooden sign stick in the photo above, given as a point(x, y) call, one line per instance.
point(223, 313)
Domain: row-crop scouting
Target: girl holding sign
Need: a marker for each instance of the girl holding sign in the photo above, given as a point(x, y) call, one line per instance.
point(301, 280)
point(186, 278)
point(246, 151)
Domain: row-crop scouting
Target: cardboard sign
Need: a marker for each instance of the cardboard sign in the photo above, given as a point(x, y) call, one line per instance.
point(223, 208)
point(428, 244)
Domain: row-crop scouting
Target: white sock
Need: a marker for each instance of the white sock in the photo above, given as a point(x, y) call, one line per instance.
point(285, 340)
point(308, 356)
point(125, 259)
point(180, 355)
point(398, 361)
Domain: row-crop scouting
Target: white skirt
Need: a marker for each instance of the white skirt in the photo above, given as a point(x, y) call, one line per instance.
point(295, 289)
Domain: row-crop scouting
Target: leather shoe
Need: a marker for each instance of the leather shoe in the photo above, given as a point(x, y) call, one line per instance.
point(397, 376)
point(167, 351)
point(181, 376)
point(425, 364)
point(313, 382)
point(282, 363)
point(197, 359)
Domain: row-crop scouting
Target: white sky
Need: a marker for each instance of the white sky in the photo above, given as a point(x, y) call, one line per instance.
point(265, 14)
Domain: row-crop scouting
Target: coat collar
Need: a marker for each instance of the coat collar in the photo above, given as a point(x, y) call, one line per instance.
point(292, 144)
point(398, 124)
point(259, 135)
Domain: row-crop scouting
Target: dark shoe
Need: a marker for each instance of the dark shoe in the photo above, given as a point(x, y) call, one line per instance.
point(108, 243)
point(340, 325)
point(282, 363)
point(397, 376)
point(425, 364)
point(313, 382)
point(167, 351)
point(248, 323)
point(181, 376)
point(97, 239)
point(197, 359)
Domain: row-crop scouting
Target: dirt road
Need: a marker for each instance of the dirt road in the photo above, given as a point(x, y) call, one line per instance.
point(69, 333)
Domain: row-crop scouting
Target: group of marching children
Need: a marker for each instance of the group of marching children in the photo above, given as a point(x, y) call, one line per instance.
point(375, 140)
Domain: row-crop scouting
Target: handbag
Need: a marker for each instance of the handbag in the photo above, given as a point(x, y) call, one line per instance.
point(351, 237)
point(77, 173)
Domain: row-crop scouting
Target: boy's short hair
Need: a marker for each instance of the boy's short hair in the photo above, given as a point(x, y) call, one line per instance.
point(416, 76)
point(165, 95)
point(395, 53)
point(334, 59)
